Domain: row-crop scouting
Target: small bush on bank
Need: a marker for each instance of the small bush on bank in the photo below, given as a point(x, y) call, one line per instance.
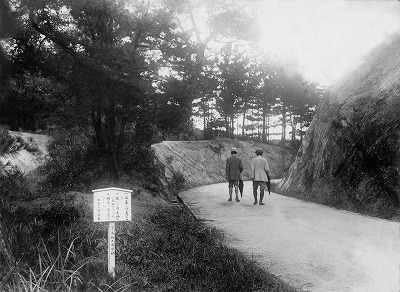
point(177, 183)
point(138, 163)
point(77, 164)
point(73, 164)
point(14, 186)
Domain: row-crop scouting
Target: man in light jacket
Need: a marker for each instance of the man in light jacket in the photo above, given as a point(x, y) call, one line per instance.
point(260, 171)
point(234, 168)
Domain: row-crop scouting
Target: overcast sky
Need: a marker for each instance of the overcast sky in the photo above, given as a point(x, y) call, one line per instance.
point(327, 37)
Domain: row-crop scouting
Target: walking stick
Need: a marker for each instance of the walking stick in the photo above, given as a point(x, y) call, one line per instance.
point(241, 187)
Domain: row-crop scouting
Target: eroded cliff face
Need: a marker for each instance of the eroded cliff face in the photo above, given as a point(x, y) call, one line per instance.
point(350, 156)
point(203, 162)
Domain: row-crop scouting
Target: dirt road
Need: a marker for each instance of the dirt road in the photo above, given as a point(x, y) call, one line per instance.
point(310, 246)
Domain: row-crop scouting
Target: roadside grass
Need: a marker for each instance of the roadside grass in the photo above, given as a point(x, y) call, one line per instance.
point(166, 249)
point(183, 254)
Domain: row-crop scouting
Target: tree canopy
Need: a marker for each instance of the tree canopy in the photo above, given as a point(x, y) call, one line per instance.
point(122, 70)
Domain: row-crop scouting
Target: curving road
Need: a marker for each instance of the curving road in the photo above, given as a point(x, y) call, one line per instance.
point(310, 246)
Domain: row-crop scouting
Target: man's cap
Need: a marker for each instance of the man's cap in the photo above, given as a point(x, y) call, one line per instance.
point(259, 151)
point(233, 149)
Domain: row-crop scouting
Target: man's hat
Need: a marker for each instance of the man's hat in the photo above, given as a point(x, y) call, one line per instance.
point(259, 151)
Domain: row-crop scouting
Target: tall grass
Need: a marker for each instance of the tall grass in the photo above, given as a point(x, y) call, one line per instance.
point(59, 267)
point(52, 273)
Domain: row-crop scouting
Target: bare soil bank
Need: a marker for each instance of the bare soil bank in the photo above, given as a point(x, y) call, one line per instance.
point(33, 154)
point(203, 162)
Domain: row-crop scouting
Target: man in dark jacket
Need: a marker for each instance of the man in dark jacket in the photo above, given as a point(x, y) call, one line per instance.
point(234, 168)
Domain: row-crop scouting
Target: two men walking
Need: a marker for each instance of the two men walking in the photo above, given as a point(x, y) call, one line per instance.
point(259, 170)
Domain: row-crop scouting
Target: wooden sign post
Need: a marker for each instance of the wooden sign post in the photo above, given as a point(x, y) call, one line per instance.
point(111, 205)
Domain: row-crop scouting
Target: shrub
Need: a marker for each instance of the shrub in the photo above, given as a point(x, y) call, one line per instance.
point(73, 164)
point(177, 183)
point(14, 186)
point(77, 164)
point(138, 163)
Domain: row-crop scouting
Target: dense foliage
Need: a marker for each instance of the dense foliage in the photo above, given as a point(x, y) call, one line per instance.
point(108, 65)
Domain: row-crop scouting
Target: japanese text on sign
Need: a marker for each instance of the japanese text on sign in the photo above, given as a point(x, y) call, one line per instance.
point(111, 205)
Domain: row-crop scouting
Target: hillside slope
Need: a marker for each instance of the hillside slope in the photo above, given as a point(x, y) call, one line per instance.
point(199, 162)
point(203, 162)
point(350, 156)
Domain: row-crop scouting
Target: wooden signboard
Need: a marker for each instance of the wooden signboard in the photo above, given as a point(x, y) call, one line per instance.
point(112, 205)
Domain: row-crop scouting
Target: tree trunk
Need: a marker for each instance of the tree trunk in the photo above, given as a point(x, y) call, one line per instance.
point(121, 137)
point(293, 125)
point(232, 133)
point(268, 126)
point(204, 121)
point(301, 133)
point(112, 149)
point(98, 128)
point(227, 123)
point(283, 138)
point(264, 126)
point(244, 120)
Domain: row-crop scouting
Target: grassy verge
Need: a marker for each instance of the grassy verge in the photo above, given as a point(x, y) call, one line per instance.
point(166, 249)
